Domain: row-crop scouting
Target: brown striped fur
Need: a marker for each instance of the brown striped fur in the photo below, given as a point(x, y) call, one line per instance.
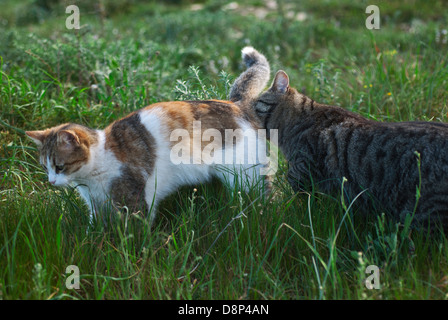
point(323, 144)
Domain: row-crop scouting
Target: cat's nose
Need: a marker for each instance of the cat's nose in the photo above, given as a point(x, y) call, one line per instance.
point(52, 181)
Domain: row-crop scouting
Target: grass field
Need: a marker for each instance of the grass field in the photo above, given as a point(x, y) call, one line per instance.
point(209, 243)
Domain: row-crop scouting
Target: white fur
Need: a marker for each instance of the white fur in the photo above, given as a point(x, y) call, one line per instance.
point(167, 176)
point(247, 50)
point(243, 169)
point(93, 179)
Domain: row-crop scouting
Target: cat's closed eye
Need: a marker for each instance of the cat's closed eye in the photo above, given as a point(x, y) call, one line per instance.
point(59, 168)
point(264, 107)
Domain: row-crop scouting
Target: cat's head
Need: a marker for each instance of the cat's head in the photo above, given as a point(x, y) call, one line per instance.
point(64, 150)
point(279, 93)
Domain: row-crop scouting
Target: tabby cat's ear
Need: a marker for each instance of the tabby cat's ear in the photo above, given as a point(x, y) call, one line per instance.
point(37, 136)
point(281, 82)
point(68, 138)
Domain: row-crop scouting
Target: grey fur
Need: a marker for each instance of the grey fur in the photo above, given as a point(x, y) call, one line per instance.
point(253, 80)
point(325, 143)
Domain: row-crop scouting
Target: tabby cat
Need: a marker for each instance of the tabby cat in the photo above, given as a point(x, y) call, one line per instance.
point(386, 162)
point(130, 161)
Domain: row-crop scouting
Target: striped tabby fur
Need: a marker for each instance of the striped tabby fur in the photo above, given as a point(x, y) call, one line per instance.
point(325, 143)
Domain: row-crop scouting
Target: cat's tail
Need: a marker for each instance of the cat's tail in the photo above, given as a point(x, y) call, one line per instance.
point(251, 82)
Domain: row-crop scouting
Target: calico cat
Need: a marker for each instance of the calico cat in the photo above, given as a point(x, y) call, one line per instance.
point(388, 161)
point(130, 161)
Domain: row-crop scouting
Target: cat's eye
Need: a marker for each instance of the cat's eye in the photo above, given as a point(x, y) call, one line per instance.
point(263, 107)
point(59, 168)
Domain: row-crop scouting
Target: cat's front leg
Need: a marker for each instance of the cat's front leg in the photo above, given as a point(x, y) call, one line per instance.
point(86, 196)
point(299, 174)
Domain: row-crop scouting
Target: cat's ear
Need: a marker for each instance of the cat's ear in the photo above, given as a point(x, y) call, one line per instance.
point(68, 138)
point(37, 136)
point(281, 82)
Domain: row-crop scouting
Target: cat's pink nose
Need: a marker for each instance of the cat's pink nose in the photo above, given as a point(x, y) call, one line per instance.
point(53, 181)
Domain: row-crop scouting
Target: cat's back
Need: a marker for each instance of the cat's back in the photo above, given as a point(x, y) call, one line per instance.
point(139, 137)
point(372, 143)
point(209, 114)
point(417, 128)
point(426, 137)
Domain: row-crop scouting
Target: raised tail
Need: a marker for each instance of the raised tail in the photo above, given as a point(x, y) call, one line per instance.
point(252, 81)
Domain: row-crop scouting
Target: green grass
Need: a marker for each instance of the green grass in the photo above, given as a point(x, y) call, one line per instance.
point(211, 243)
